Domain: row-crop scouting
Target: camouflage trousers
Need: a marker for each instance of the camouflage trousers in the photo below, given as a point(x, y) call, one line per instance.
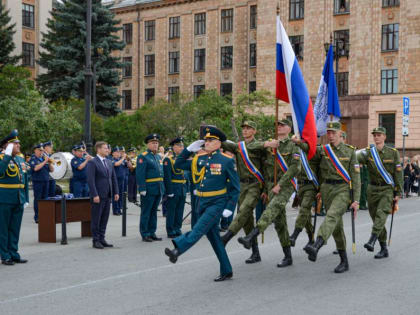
point(248, 200)
point(276, 212)
point(307, 196)
point(336, 199)
point(380, 206)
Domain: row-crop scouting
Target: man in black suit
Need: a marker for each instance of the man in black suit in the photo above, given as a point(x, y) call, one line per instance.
point(103, 185)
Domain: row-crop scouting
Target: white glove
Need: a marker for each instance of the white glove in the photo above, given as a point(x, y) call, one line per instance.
point(227, 213)
point(171, 195)
point(9, 149)
point(143, 193)
point(195, 146)
point(195, 192)
point(26, 205)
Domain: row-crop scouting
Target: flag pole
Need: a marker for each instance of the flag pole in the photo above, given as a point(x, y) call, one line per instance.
point(277, 121)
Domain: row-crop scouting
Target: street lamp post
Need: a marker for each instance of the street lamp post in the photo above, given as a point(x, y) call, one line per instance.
point(88, 77)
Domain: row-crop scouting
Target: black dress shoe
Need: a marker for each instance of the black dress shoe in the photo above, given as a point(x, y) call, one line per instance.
point(224, 277)
point(155, 238)
point(172, 254)
point(8, 262)
point(20, 261)
point(98, 245)
point(171, 236)
point(105, 244)
point(147, 239)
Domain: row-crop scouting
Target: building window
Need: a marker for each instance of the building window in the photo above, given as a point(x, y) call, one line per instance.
point(198, 89)
point(227, 57)
point(342, 40)
point(227, 20)
point(343, 83)
point(226, 89)
point(200, 24)
point(149, 30)
point(174, 27)
point(388, 122)
point(149, 64)
point(252, 86)
point(28, 55)
point(390, 34)
point(390, 3)
point(341, 6)
point(253, 17)
point(253, 55)
point(127, 70)
point(389, 81)
point(28, 15)
point(128, 33)
point(148, 94)
point(297, 45)
point(126, 99)
point(174, 62)
point(173, 93)
point(297, 9)
point(199, 60)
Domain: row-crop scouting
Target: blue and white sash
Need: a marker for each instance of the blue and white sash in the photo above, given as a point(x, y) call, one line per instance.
point(307, 168)
point(248, 163)
point(336, 163)
point(381, 169)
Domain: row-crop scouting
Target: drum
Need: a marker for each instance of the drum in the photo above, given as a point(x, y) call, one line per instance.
point(62, 166)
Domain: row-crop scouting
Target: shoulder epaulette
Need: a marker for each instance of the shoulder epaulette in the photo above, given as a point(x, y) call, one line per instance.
point(145, 153)
point(1, 156)
point(200, 154)
point(227, 155)
point(350, 146)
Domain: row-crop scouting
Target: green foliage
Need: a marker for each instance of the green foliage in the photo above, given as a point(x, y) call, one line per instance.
point(6, 39)
point(64, 54)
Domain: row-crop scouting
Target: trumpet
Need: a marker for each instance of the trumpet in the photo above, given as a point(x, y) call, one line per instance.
point(50, 160)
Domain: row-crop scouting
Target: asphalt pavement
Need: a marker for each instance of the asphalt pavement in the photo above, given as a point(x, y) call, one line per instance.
point(136, 277)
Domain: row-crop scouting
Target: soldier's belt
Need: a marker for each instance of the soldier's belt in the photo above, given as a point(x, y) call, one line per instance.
point(378, 184)
point(304, 182)
point(12, 186)
point(212, 193)
point(334, 181)
point(153, 180)
point(249, 180)
point(179, 181)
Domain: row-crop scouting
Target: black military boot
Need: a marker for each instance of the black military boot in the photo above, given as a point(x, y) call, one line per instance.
point(294, 236)
point(255, 256)
point(287, 260)
point(247, 240)
point(312, 250)
point(172, 254)
point(310, 241)
point(383, 253)
point(370, 245)
point(344, 263)
point(227, 237)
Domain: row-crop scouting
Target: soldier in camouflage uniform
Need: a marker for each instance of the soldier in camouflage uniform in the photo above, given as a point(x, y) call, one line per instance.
point(280, 193)
point(335, 192)
point(381, 194)
point(251, 188)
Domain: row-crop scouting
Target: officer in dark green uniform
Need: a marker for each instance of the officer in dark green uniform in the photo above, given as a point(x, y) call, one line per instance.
point(13, 196)
point(175, 189)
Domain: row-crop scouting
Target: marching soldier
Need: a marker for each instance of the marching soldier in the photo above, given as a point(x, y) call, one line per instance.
point(41, 168)
point(211, 172)
point(48, 148)
point(118, 159)
point(149, 175)
point(364, 176)
point(78, 166)
point(340, 173)
point(288, 159)
point(250, 157)
point(385, 187)
point(175, 189)
point(132, 185)
point(13, 196)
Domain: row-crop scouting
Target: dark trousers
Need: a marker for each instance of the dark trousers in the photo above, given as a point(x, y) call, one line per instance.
point(132, 187)
point(148, 215)
point(100, 215)
point(117, 205)
point(174, 215)
point(80, 189)
point(51, 188)
point(40, 193)
point(10, 222)
point(194, 210)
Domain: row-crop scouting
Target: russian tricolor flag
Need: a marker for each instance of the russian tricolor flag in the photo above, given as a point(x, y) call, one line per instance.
point(291, 88)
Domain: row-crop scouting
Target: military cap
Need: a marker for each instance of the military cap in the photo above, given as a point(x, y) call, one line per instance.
point(77, 147)
point(11, 138)
point(285, 122)
point(176, 141)
point(122, 149)
point(344, 134)
point(248, 123)
point(132, 149)
point(379, 130)
point(212, 132)
point(333, 125)
point(152, 137)
point(46, 144)
point(203, 130)
point(39, 146)
point(115, 149)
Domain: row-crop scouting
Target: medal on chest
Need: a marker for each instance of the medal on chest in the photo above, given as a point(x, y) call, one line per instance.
point(215, 169)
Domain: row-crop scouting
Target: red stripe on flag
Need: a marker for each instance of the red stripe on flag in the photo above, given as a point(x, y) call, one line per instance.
point(309, 130)
point(281, 87)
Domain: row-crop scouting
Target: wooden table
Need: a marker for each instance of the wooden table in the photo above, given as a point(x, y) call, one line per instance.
point(78, 210)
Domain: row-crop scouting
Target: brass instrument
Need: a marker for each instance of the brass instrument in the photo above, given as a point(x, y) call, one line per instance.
point(50, 160)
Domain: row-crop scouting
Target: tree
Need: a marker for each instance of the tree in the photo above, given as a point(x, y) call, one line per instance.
point(64, 54)
point(7, 46)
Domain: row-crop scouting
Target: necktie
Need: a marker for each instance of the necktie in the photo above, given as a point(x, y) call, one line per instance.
point(106, 168)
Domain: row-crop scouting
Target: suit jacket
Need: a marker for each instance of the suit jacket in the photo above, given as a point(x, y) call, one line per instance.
point(102, 182)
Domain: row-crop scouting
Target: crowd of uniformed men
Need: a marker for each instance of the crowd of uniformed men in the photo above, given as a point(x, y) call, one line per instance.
point(221, 176)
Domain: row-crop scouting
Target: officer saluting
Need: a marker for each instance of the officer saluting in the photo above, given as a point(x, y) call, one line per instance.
point(211, 172)
point(13, 192)
point(149, 176)
point(78, 166)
